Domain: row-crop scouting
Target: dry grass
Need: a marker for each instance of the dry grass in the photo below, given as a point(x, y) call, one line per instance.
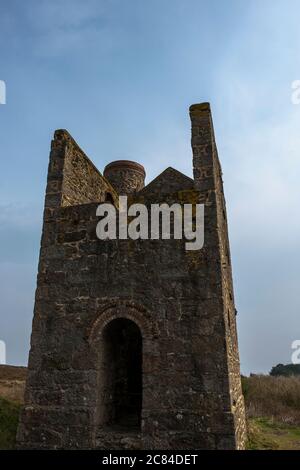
point(277, 398)
point(12, 383)
point(12, 372)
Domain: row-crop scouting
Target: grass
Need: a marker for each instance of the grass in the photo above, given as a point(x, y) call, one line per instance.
point(265, 434)
point(275, 397)
point(9, 415)
point(272, 405)
point(273, 412)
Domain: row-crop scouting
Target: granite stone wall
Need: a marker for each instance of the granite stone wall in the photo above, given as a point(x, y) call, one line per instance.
point(208, 178)
point(72, 177)
point(182, 302)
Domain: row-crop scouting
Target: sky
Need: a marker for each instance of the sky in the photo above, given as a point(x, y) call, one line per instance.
point(120, 76)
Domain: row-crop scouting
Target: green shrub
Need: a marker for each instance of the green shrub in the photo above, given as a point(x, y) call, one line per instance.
point(285, 370)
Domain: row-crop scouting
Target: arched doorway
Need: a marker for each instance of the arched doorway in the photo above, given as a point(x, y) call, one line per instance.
point(120, 379)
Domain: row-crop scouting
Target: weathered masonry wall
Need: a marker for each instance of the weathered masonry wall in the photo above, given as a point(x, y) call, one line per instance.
point(126, 177)
point(181, 301)
point(208, 177)
point(72, 177)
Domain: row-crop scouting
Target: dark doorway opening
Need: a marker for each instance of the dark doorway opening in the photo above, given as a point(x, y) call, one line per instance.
point(122, 373)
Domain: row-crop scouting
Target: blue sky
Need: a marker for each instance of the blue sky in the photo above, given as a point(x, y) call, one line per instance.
point(120, 75)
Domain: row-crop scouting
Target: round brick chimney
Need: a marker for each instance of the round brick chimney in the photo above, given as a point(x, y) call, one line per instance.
point(125, 176)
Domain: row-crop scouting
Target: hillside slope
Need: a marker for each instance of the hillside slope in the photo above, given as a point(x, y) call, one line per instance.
point(12, 385)
point(12, 382)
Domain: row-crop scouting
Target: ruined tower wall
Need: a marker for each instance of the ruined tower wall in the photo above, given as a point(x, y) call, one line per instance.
point(54, 387)
point(191, 390)
point(208, 179)
point(186, 401)
point(72, 177)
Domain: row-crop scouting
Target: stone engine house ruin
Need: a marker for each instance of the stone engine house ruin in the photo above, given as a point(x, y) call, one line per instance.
point(134, 342)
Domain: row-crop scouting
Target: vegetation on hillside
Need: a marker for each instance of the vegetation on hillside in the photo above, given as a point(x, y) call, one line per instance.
point(277, 398)
point(267, 434)
point(9, 415)
point(273, 411)
point(285, 370)
point(272, 405)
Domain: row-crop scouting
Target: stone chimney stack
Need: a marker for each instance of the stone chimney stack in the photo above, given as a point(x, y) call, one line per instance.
point(125, 176)
point(206, 164)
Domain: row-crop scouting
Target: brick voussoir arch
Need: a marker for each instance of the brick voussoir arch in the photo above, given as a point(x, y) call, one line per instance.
point(123, 309)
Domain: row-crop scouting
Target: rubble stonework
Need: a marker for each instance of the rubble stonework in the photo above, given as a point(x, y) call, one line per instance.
point(126, 177)
point(103, 306)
